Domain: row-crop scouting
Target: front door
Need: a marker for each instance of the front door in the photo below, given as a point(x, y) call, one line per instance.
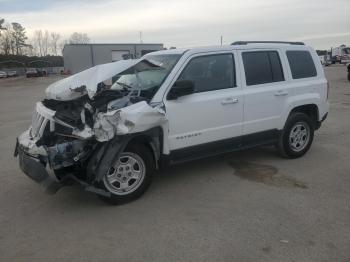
point(214, 111)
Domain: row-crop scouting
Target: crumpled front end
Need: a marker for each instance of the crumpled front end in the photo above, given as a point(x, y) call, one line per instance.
point(59, 144)
point(83, 114)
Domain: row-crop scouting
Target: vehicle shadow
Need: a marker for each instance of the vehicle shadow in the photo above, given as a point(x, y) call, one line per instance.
point(169, 178)
point(196, 168)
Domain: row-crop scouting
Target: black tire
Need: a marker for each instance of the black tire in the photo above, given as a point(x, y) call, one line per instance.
point(349, 76)
point(145, 154)
point(285, 144)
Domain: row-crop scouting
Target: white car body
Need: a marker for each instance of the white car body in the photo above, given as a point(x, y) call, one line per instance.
point(275, 100)
point(237, 116)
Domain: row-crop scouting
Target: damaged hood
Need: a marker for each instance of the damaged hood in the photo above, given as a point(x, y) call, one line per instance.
point(86, 81)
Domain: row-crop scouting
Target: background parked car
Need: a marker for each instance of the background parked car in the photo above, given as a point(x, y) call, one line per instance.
point(3, 74)
point(35, 72)
point(43, 72)
point(12, 73)
point(32, 72)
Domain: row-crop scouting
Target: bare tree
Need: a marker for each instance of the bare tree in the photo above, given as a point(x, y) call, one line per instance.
point(7, 43)
point(45, 43)
point(2, 21)
point(79, 38)
point(62, 44)
point(28, 49)
point(37, 42)
point(19, 37)
point(54, 42)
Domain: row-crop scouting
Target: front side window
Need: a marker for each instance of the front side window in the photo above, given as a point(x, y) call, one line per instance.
point(301, 64)
point(262, 67)
point(146, 76)
point(210, 72)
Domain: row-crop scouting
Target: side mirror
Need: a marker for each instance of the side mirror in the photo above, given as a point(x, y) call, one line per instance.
point(181, 88)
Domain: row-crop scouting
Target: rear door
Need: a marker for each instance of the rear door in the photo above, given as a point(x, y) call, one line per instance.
point(215, 110)
point(265, 87)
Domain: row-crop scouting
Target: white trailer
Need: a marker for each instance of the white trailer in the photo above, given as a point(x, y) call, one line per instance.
point(340, 54)
point(322, 59)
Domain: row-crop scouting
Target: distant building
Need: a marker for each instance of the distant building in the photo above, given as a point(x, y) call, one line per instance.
point(78, 57)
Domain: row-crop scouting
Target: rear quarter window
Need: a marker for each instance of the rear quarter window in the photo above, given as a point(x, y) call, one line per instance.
point(301, 64)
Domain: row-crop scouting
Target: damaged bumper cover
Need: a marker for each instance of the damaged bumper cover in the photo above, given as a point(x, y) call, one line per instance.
point(33, 164)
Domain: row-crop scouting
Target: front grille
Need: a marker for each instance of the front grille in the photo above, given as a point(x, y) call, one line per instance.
point(42, 117)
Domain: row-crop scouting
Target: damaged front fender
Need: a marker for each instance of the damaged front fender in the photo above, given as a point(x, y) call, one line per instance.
point(135, 118)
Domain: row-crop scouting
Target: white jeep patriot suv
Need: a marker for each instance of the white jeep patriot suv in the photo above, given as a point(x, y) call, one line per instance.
point(111, 126)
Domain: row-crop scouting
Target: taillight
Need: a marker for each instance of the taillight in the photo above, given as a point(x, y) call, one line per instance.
point(327, 89)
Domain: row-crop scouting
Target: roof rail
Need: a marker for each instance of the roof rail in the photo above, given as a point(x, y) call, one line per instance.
point(266, 42)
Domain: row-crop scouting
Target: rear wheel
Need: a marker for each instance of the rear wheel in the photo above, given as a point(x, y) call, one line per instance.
point(129, 176)
point(297, 136)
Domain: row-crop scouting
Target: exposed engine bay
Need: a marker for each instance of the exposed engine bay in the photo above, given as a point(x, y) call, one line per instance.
point(73, 130)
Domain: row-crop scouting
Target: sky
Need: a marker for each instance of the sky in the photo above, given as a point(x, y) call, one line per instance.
point(185, 23)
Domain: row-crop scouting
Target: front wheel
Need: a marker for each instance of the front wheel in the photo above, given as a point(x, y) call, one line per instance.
point(130, 176)
point(297, 136)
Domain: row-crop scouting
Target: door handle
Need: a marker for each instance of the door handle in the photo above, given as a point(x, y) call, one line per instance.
point(230, 100)
point(281, 93)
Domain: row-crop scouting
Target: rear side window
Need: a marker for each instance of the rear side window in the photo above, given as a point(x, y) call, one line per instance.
point(262, 67)
point(301, 64)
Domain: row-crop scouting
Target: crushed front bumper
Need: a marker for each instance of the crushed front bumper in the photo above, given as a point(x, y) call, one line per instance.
point(33, 163)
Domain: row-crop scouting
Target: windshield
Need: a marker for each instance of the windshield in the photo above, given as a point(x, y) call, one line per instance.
point(146, 76)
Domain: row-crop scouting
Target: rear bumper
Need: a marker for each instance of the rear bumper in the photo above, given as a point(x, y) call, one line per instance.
point(34, 164)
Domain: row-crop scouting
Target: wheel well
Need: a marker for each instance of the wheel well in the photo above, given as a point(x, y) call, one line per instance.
point(311, 110)
point(141, 139)
point(152, 139)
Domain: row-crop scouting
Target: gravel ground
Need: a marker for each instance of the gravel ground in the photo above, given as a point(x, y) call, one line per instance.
point(246, 206)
